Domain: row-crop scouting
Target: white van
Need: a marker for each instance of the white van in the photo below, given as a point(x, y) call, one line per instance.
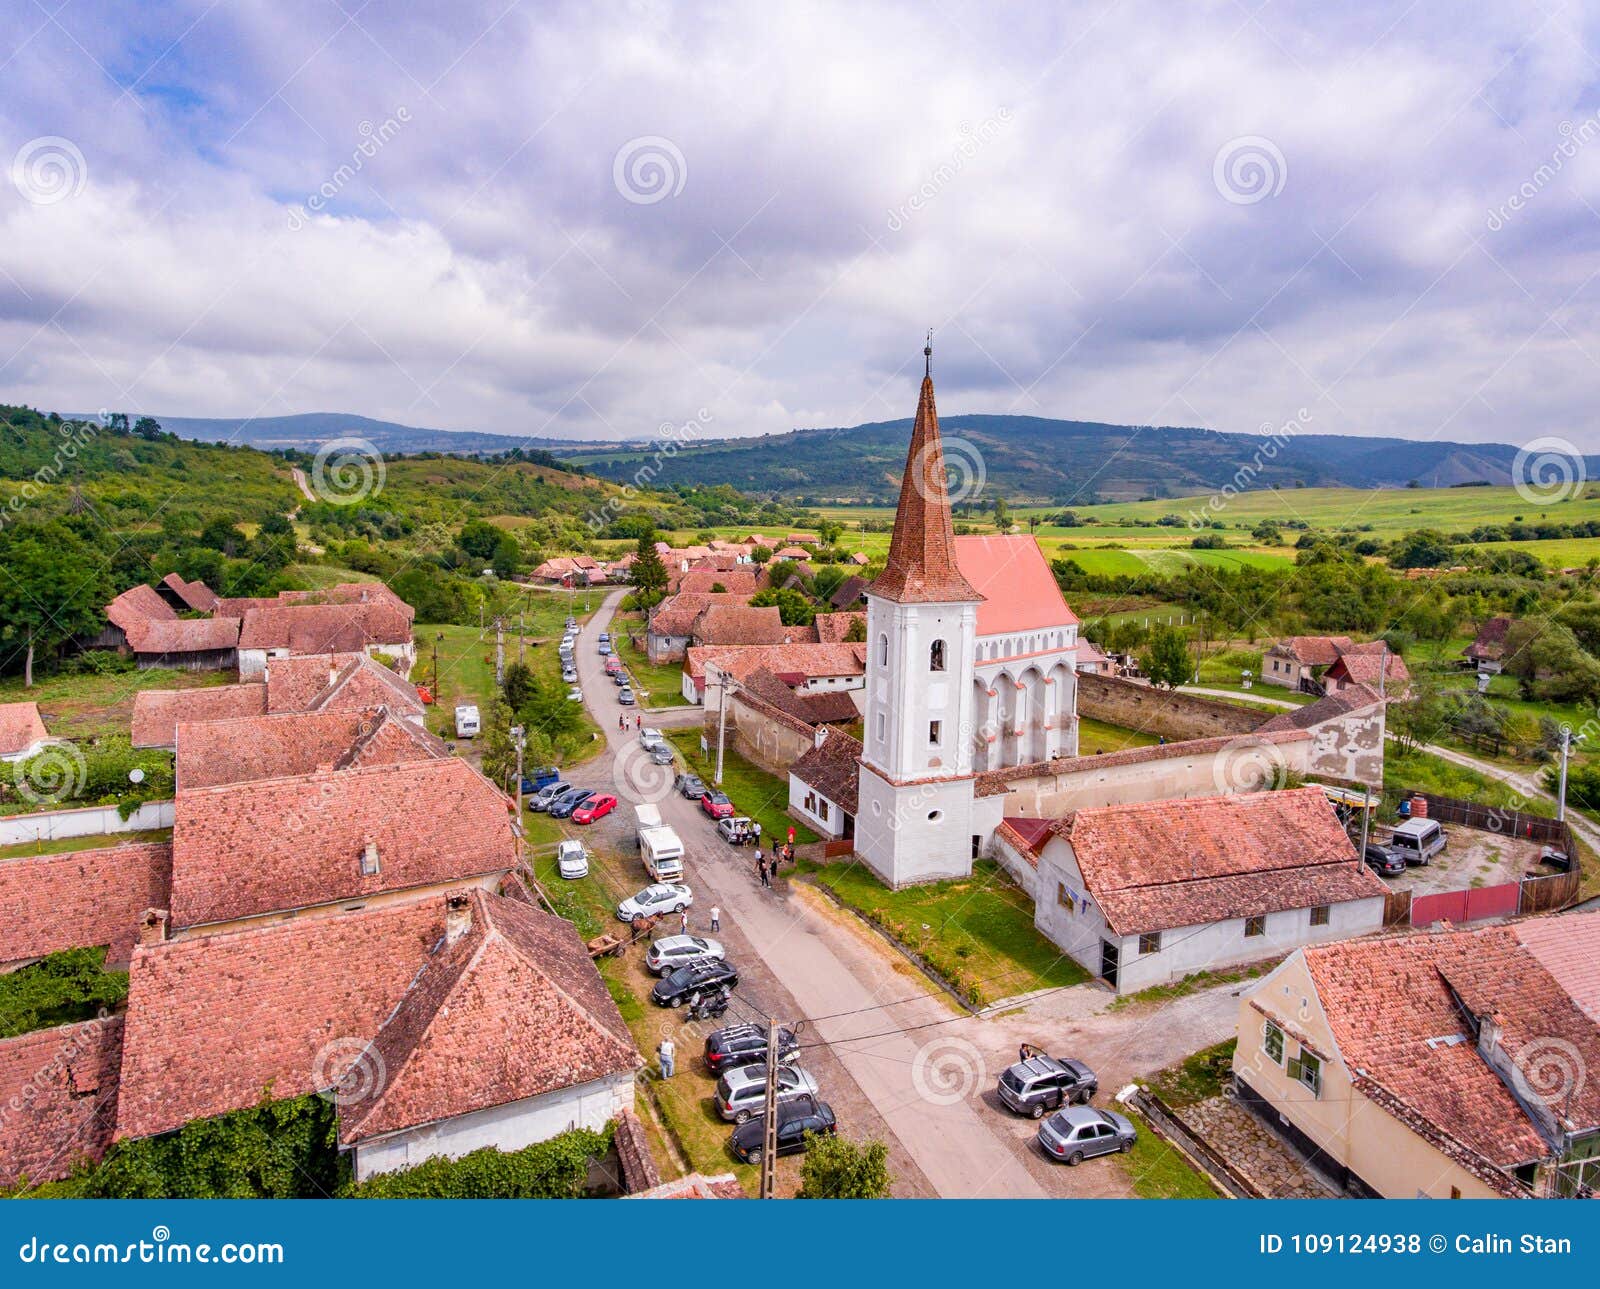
point(1417, 840)
point(646, 815)
point(663, 853)
point(467, 721)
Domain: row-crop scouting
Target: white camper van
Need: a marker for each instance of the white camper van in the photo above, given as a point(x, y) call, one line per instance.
point(467, 721)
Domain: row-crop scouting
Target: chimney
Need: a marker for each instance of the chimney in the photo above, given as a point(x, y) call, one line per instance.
point(457, 916)
point(371, 865)
point(818, 737)
point(153, 926)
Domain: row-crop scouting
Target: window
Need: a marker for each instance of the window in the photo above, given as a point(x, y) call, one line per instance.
point(936, 656)
point(1272, 1042)
point(822, 810)
point(933, 731)
point(1150, 942)
point(1255, 926)
point(1065, 898)
point(1319, 915)
point(883, 650)
point(1307, 1069)
point(881, 727)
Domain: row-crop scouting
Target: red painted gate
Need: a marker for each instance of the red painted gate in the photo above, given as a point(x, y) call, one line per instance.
point(1466, 906)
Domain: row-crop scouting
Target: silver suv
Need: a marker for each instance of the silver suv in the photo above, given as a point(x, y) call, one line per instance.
point(1043, 1083)
point(742, 1092)
point(673, 951)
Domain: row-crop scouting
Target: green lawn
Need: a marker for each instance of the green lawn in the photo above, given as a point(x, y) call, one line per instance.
point(977, 933)
point(86, 706)
point(1198, 1077)
point(1157, 1171)
point(1423, 772)
point(754, 792)
point(65, 845)
point(1096, 738)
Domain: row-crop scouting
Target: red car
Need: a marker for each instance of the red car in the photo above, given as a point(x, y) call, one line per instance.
point(717, 805)
point(594, 808)
point(613, 664)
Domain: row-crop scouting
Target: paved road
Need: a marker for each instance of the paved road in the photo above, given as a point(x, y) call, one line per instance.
point(923, 1085)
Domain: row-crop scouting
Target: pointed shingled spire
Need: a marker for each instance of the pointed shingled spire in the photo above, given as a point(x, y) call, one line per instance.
point(922, 553)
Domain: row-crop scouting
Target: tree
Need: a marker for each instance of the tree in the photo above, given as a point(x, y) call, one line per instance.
point(760, 554)
point(830, 532)
point(1002, 514)
point(837, 1168)
point(650, 577)
point(147, 427)
point(793, 608)
point(479, 538)
point(856, 632)
point(1167, 660)
point(53, 589)
point(222, 534)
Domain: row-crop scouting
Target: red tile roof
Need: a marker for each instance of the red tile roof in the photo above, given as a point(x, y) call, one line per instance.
point(197, 595)
point(139, 604)
point(21, 727)
point(833, 768)
point(351, 593)
point(1490, 643)
point(742, 582)
point(676, 616)
point(1568, 947)
point(324, 628)
point(1013, 576)
point(1371, 669)
point(185, 635)
point(791, 662)
point(80, 899)
point(156, 712)
point(511, 1008)
point(729, 624)
point(848, 595)
point(818, 707)
point(243, 850)
point(292, 743)
point(1156, 865)
point(341, 681)
point(832, 628)
point(1346, 698)
point(65, 1082)
point(1312, 651)
point(922, 567)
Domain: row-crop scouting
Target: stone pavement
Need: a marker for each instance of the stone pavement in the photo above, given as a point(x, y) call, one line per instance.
point(1252, 1149)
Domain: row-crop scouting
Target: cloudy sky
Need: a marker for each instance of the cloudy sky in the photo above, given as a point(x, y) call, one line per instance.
point(581, 220)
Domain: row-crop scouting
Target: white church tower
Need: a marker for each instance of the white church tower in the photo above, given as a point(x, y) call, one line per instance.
point(914, 821)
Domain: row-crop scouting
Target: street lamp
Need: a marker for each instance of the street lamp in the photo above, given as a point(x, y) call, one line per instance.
point(1568, 738)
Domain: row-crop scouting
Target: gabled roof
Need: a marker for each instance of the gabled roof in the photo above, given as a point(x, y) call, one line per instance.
point(676, 616)
point(850, 591)
point(81, 899)
point(1156, 865)
point(739, 624)
point(832, 628)
point(338, 682)
point(1372, 670)
point(184, 635)
point(1312, 651)
point(65, 1080)
point(1346, 698)
point(819, 708)
point(434, 1024)
point(197, 595)
point(247, 849)
point(21, 727)
point(1013, 576)
point(352, 593)
point(1568, 947)
point(139, 604)
point(922, 567)
point(1490, 643)
point(291, 743)
point(156, 712)
point(790, 662)
point(833, 768)
point(324, 628)
point(742, 581)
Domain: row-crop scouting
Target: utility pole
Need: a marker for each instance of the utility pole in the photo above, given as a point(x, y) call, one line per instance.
point(1366, 789)
point(769, 1121)
point(1568, 738)
point(722, 719)
point(522, 634)
point(519, 740)
point(436, 639)
point(499, 651)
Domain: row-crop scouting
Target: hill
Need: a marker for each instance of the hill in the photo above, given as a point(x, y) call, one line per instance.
point(1028, 458)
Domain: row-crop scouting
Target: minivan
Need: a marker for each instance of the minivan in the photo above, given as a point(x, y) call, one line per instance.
point(1418, 840)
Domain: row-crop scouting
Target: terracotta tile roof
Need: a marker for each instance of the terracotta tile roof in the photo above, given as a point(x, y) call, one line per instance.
point(922, 563)
point(695, 1186)
point(1013, 576)
point(21, 727)
point(743, 581)
point(792, 552)
point(1368, 668)
point(819, 708)
point(324, 628)
point(81, 899)
point(1405, 1013)
point(156, 712)
point(1312, 651)
point(65, 1080)
point(676, 616)
point(248, 849)
point(789, 662)
point(293, 743)
point(510, 1008)
point(1490, 643)
point(352, 593)
point(739, 624)
point(849, 594)
point(1161, 864)
point(1088, 654)
point(139, 604)
point(185, 635)
point(338, 682)
point(832, 628)
point(197, 595)
point(1030, 834)
point(1568, 947)
point(833, 768)
point(639, 1171)
point(1346, 698)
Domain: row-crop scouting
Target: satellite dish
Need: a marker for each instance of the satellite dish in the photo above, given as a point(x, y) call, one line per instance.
point(136, 775)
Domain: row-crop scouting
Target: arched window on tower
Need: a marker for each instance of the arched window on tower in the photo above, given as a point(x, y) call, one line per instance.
point(883, 650)
point(936, 656)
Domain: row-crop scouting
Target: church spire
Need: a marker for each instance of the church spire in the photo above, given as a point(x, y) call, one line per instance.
point(922, 553)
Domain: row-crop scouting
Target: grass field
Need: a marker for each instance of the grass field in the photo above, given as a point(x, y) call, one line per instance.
point(65, 845)
point(655, 685)
point(1096, 738)
point(754, 792)
point(86, 706)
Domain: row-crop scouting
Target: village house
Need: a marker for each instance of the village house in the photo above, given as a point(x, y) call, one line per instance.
point(837, 628)
point(65, 1081)
point(83, 899)
point(22, 731)
point(805, 665)
point(212, 753)
point(1307, 664)
point(372, 626)
point(1445, 1064)
point(1487, 652)
point(571, 570)
point(823, 784)
point(850, 594)
point(669, 629)
point(744, 580)
point(1148, 893)
point(741, 624)
point(186, 597)
point(142, 623)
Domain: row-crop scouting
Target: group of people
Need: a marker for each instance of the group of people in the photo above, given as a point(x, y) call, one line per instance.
point(767, 865)
point(627, 720)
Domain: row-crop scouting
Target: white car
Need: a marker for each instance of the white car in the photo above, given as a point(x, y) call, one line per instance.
point(663, 897)
point(575, 695)
point(649, 736)
point(671, 952)
point(742, 1091)
point(572, 860)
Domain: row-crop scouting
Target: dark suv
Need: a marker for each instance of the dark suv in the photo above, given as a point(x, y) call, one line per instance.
point(1383, 861)
point(696, 977)
point(1042, 1083)
point(737, 1045)
point(795, 1119)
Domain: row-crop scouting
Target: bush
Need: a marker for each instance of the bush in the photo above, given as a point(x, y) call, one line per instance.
point(836, 1168)
point(554, 1169)
point(60, 989)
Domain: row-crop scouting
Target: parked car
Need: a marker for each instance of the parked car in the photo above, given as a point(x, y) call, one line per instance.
point(1417, 841)
point(1042, 1083)
point(796, 1118)
point(1081, 1132)
point(563, 806)
point(621, 678)
point(742, 1092)
point(694, 978)
point(691, 786)
point(575, 695)
point(626, 698)
point(613, 665)
point(670, 952)
point(605, 649)
point(737, 1045)
point(1383, 861)
point(735, 830)
point(572, 624)
point(544, 796)
point(543, 777)
point(569, 675)
point(572, 860)
point(605, 637)
point(594, 809)
point(660, 754)
point(716, 804)
point(650, 736)
point(663, 897)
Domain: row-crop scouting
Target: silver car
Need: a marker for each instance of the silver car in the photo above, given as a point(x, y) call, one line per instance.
point(742, 1091)
point(1080, 1132)
point(663, 897)
point(672, 951)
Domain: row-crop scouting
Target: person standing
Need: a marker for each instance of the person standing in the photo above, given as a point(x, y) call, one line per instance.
point(683, 922)
point(666, 1054)
point(716, 918)
point(755, 828)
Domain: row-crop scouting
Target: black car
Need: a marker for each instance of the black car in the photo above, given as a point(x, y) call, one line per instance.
point(691, 979)
point(737, 1045)
point(563, 806)
point(691, 786)
point(1042, 1083)
point(1383, 861)
point(795, 1119)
